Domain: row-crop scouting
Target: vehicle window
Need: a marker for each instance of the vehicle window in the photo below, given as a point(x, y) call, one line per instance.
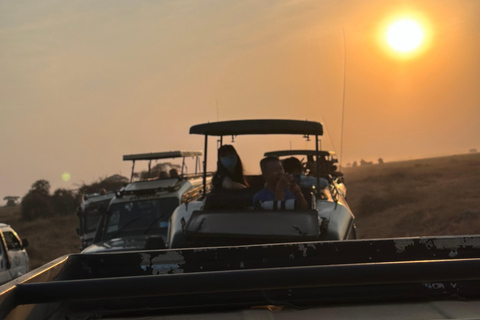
point(138, 217)
point(12, 241)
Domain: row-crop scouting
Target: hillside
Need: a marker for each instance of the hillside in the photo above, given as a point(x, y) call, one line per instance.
point(437, 196)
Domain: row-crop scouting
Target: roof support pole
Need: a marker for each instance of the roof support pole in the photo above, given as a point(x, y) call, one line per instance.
point(317, 163)
point(133, 168)
point(205, 167)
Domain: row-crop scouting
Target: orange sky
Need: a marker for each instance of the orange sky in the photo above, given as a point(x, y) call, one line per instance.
point(84, 82)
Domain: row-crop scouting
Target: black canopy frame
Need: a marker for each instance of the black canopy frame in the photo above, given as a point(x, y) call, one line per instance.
point(257, 127)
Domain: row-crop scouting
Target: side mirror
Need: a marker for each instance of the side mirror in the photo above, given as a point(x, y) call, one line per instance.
point(24, 243)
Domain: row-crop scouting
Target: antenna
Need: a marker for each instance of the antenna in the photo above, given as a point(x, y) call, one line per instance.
point(329, 135)
point(343, 101)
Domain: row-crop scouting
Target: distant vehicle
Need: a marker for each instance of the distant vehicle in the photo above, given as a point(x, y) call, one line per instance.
point(91, 209)
point(328, 168)
point(138, 216)
point(14, 261)
point(228, 217)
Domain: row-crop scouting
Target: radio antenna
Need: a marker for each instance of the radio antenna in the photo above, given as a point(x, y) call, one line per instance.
point(343, 101)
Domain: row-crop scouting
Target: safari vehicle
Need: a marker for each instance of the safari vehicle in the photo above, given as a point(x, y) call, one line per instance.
point(229, 217)
point(138, 216)
point(14, 260)
point(91, 209)
point(404, 278)
point(328, 167)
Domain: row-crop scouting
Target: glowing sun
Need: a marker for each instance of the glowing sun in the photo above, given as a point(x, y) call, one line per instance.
point(405, 35)
point(66, 176)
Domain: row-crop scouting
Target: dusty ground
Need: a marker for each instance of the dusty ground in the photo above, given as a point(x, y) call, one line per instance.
point(438, 196)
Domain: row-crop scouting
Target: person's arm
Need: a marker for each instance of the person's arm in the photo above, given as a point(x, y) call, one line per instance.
point(297, 192)
point(232, 185)
point(280, 189)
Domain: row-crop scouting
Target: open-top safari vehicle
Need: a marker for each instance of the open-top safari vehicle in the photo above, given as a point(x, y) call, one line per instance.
point(229, 217)
point(138, 216)
point(328, 169)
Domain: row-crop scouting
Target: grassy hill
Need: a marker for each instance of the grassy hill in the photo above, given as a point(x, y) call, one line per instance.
point(437, 196)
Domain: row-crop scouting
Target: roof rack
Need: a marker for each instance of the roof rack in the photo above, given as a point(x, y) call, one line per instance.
point(163, 155)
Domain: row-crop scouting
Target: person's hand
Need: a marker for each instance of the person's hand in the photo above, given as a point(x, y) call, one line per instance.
point(293, 186)
point(283, 182)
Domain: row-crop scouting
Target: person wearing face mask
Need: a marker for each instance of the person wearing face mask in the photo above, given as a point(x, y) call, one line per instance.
point(294, 167)
point(229, 173)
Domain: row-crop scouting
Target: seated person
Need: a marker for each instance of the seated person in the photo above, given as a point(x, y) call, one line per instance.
point(229, 173)
point(294, 167)
point(174, 173)
point(279, 186)
point(163, 175)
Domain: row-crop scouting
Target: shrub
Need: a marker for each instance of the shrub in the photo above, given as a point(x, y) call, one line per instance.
point(64, 201)
point(35, 205)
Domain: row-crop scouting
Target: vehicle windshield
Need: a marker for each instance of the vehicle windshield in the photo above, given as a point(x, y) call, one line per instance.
point(138, 218)
point(92, 215)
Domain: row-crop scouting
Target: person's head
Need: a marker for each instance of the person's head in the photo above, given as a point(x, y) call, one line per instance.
point(272, 170)
point(293, 166)
point(228, 159)
point(173, 173)
point(163, 175)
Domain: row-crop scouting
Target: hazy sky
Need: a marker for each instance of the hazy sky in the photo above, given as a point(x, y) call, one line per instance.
point(84, 82)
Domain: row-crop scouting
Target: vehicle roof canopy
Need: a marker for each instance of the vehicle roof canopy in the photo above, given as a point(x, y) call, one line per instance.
point(282, 153)
point(264, 126)
point(161, 155)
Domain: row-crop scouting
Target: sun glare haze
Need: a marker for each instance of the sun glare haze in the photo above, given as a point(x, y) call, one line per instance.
point(405, 35)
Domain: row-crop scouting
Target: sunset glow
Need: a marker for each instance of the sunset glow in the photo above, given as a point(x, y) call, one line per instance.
point(405, 35)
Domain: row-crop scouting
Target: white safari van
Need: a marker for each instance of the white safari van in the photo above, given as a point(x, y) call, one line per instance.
point(13, 256)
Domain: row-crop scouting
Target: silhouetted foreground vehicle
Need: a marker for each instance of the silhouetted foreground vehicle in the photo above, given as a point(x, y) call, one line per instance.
point(408, 278)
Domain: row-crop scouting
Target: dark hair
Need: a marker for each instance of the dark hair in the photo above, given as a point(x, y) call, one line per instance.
point(267, 160)
point(237, 175)
point(292, 164)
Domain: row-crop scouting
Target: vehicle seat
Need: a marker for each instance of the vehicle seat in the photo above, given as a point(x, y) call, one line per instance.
point(223, 199)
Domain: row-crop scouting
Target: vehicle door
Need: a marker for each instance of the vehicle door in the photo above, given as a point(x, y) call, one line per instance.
point(4, 274)
point(16, 253)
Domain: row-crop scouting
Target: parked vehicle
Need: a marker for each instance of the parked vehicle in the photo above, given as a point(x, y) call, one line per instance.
point(14, 261)
point(138, 216)
point(228, 217)
point(91, 209)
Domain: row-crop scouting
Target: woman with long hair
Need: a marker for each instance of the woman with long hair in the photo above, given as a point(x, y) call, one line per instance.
point(229, 173)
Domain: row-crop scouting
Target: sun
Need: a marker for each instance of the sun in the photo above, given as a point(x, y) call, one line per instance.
point(405, 35)
point(66, 176)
